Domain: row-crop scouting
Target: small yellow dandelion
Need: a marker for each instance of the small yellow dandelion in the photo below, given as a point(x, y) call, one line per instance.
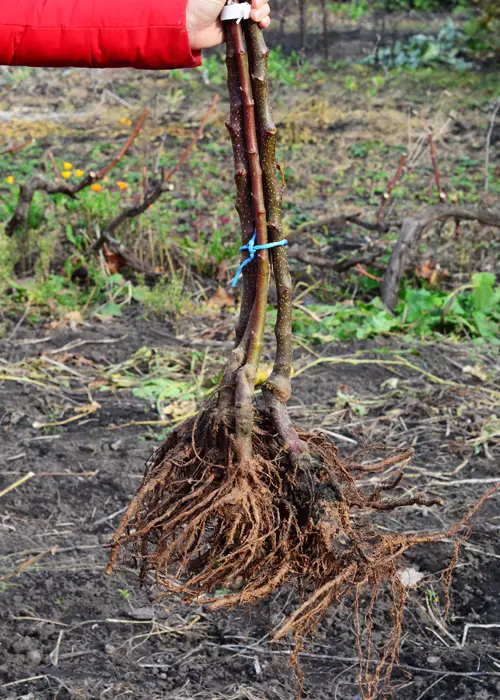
point(96, 187)
point(66, 174)
point(122, 185)
point(79, 173)
point(126, 121)
point(10, 179)
point(67, 166)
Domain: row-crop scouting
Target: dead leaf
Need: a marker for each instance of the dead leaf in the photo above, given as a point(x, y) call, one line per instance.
point(222, 271)
point(179, 409)
point(98, 383)
point(88, 407)
point(390, 384)
point(114, 261)
point(409, 576)
point(220, 299)
point(69, 358)
point(476, 371)
point(72, 319)
point(428, 271)
point(263, 373)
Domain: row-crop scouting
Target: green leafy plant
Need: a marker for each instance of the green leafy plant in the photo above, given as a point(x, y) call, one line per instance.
point(214, 72)
point(168, 296)
point(424, 50)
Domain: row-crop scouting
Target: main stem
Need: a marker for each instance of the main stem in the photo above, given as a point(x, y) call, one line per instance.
point(258, 315)
point(277, 388)
point(236, 128)
point(250, 334)
point(279, 381)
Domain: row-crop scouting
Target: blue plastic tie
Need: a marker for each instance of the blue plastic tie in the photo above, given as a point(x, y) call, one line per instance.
point(252, 249)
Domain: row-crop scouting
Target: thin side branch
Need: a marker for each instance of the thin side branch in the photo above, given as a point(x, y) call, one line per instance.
point(338, 221)
point(102, 173)
point(168, 176)
point(26, 193)
point(387, 194)
point(432, 145)
point(298, 253)
point(14, 149)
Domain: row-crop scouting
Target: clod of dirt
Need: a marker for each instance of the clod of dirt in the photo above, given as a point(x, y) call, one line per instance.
point(34, 657)
point(21, 645)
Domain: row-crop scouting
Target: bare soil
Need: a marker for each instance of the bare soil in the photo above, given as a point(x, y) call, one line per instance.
point(67, 631)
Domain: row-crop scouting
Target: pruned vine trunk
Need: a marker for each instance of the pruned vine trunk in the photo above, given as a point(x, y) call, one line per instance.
point(411, 231)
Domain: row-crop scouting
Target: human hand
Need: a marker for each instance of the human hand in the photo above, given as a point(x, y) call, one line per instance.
point(204, 26)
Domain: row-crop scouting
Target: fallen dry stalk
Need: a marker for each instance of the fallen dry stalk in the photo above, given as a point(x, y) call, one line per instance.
point(17, 483)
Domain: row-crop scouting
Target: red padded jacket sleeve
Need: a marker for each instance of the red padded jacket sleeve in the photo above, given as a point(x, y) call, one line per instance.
point(147, 34)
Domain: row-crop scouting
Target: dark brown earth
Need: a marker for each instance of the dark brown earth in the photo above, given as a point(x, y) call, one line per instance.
point(67, 631)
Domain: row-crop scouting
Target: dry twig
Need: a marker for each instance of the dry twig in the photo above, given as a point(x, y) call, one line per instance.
point(387, 194)
point(432, 145)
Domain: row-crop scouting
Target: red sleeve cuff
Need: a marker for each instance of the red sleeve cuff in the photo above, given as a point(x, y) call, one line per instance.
point(148, 35)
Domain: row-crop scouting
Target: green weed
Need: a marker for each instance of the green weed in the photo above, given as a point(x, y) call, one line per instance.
point(471, 311)
point(167, 297)
point(8, 259)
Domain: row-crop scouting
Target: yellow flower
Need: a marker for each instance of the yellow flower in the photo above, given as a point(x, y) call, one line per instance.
point(66, 174)
point(10, 179)
point(67, 166)
point(79, 173)
point(96, 187)
point(126, 121)
point(122, 185)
